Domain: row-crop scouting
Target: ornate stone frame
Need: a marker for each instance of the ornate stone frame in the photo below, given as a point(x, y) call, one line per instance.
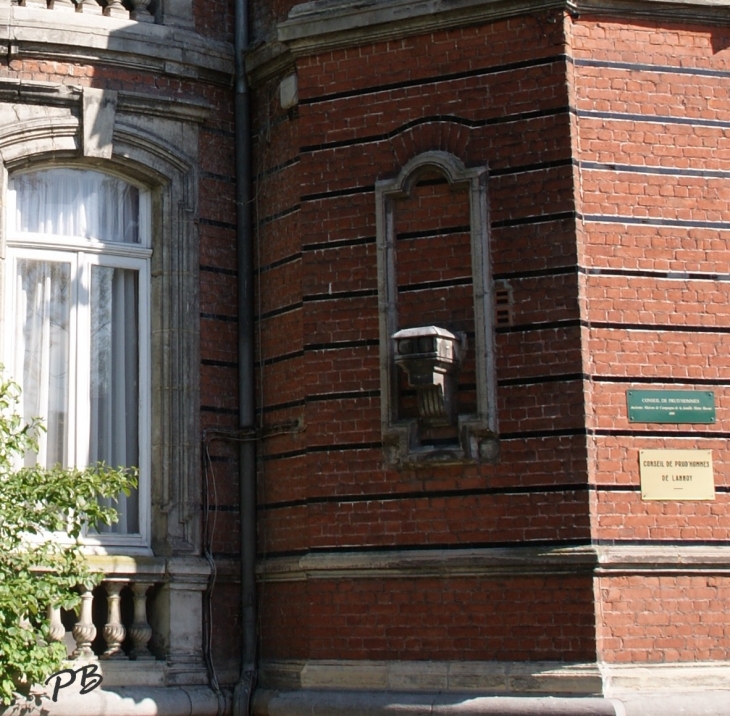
point(45, 126)
point(477, 433)
point(47, 135)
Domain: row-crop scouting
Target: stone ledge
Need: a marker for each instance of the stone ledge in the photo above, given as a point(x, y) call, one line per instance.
point(491, 562)
point(380, 688)
point(168, 108)
point(126, 567)
point(670, 559)
point(493, 677)
point(427, 563)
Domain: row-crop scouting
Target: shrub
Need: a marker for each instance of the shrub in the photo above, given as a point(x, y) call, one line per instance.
point(37, 567)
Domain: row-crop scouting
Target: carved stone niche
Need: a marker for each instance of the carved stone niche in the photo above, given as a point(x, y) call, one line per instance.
point(429, 355)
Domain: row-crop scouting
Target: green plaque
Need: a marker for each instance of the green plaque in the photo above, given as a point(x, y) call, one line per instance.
point(671, 406)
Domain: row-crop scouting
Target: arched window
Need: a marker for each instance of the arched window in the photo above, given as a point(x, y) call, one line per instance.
point(77, 329)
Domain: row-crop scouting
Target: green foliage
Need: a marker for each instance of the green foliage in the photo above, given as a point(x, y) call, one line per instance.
point(38, 568)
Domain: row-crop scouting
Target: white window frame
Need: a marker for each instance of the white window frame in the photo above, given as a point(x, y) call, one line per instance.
point(82, 254)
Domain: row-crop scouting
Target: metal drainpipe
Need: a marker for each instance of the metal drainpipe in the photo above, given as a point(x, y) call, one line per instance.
point(242, 695)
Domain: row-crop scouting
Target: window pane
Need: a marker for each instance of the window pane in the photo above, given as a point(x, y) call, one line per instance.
point(114, 385)
point(75, 202)
point(41, 340)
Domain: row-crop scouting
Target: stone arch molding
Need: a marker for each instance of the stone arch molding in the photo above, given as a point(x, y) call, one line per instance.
point(446, 133)
point(478, 433)
point(53, 135)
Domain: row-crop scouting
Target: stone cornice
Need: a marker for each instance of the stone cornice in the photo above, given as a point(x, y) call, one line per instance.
point(319, 26)
point(52, 94)
point(75, 37)
point(156, 106)
point(314, 27)
point(711, 12)
point(486, 562)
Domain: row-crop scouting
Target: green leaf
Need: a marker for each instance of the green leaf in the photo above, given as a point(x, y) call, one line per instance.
point(35, 501)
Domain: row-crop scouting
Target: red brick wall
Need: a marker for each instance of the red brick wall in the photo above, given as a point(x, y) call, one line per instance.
point(663, 619)
point(609, 265)
point(465, 618)
point(651, 129)
point(459, 619)
point(494, 94)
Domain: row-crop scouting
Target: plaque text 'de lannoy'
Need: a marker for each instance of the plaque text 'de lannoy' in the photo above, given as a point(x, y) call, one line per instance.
point(676, 475)
point(671, 406)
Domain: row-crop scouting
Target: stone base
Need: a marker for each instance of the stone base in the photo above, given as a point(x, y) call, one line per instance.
point(379, 688)
point(369, 703)
point(701, 676)
point(482, 677)
point(706, 703)
point(125, 701)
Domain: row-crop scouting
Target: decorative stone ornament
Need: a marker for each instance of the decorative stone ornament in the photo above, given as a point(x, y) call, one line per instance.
point(431, 356)
point(435, 352)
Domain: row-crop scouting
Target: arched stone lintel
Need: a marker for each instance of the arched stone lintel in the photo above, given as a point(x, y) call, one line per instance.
point(446, 163)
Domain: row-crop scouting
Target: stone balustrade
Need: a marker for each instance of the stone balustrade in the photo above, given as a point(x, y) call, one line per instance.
point(122, 638)
point(137, 10)
point(142, 624)
point(113, 621)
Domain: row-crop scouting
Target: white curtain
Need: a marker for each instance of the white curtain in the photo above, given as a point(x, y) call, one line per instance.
point(86, 204)
point(76, 202)
point(41, 342)
point(114, 389)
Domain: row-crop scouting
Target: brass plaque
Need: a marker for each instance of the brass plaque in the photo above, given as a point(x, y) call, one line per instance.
point(676, 475)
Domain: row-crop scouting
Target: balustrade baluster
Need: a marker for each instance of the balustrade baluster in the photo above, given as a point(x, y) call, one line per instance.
point(84, 631)
point(57, 630)
point(140, 631)
point(141, 12)
point(114, 8)
point(114, 631)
